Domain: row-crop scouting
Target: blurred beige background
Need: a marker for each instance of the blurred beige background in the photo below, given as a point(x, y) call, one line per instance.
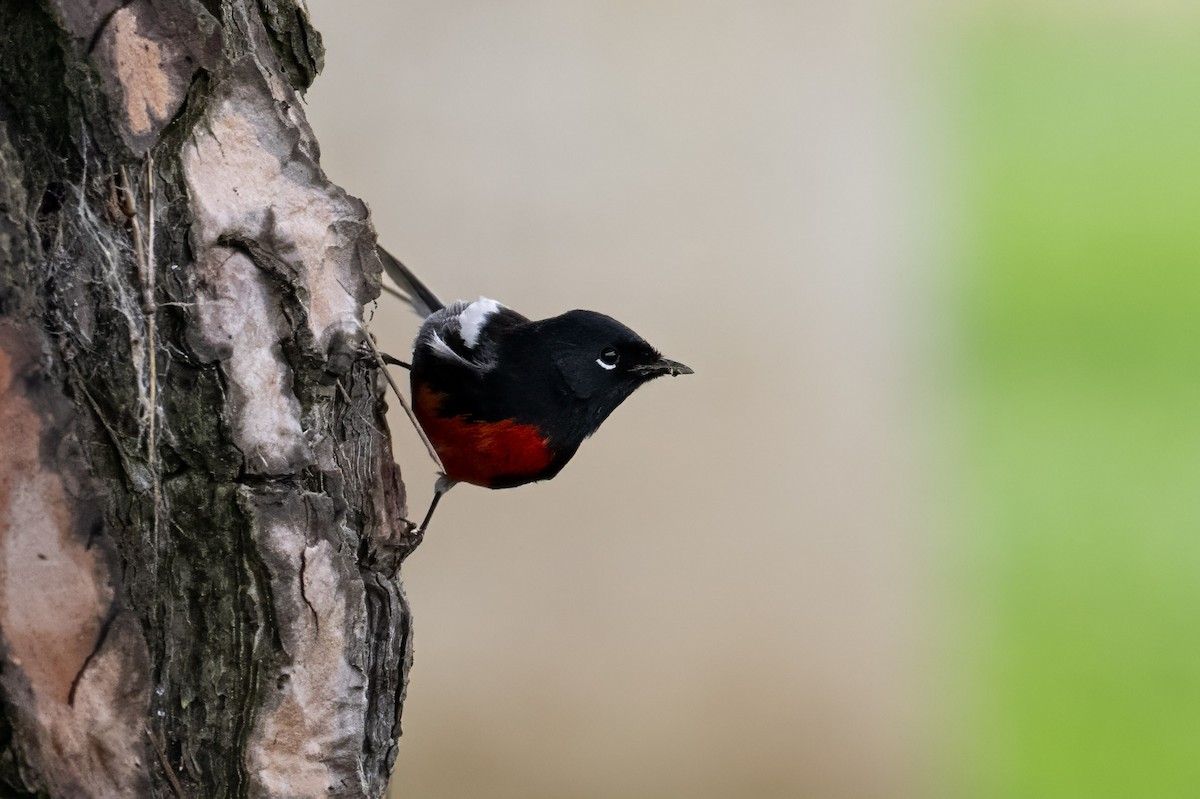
point(721, 596)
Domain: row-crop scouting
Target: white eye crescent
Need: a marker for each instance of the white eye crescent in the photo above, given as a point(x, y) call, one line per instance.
point(608, 358)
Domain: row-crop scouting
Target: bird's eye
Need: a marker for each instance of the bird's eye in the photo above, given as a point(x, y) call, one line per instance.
point(608, 358)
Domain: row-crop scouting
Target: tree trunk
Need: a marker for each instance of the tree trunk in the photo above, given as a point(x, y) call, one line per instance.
point(201, 524)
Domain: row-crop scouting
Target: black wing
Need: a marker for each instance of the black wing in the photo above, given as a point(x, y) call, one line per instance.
point(423, 301)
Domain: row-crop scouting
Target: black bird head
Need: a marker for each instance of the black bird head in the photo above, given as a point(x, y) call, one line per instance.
point(601, 359)
point(592, 363)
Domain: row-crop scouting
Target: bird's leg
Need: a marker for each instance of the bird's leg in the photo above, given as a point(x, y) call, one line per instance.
point(388, 359)
point(366, 353)
point(443, 485)
point(412, 417)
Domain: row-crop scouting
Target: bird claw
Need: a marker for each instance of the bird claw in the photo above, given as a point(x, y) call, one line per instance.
point(367, 353)
point(363, 352)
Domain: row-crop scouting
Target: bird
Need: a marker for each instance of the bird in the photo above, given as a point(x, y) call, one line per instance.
point(505, 400)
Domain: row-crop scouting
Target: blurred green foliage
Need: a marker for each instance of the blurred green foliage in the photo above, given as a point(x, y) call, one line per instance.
point(1081, 347)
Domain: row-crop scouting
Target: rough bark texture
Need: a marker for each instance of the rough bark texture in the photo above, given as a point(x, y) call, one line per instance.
point(200, 520)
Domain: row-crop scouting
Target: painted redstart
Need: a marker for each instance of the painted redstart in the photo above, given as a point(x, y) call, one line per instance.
point(507, 401)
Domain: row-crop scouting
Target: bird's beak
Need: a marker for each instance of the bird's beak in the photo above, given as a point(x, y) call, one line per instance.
point(662, 366)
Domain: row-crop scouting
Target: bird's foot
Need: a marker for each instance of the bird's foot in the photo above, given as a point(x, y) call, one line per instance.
point(366, 352)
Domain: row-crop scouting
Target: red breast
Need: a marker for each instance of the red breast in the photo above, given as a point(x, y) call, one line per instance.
point(481, 453)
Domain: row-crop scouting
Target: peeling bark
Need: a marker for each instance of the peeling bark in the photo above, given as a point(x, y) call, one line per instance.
point(201, 525)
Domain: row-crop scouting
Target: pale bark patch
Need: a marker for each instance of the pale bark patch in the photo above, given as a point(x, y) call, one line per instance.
point(318, 709)
point(74, 672)
point(241, 324)
point(243, 190)
point(49, 596)
point(152, 94)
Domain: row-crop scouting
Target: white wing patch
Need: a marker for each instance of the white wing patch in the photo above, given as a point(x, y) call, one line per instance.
point(465, 322)
point(473, 318)
point(439, 346)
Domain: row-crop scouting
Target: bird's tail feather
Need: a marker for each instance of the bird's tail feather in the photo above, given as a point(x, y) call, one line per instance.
point(423, 301)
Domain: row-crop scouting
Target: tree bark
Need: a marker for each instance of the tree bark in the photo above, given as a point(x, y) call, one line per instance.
point(201, 525)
